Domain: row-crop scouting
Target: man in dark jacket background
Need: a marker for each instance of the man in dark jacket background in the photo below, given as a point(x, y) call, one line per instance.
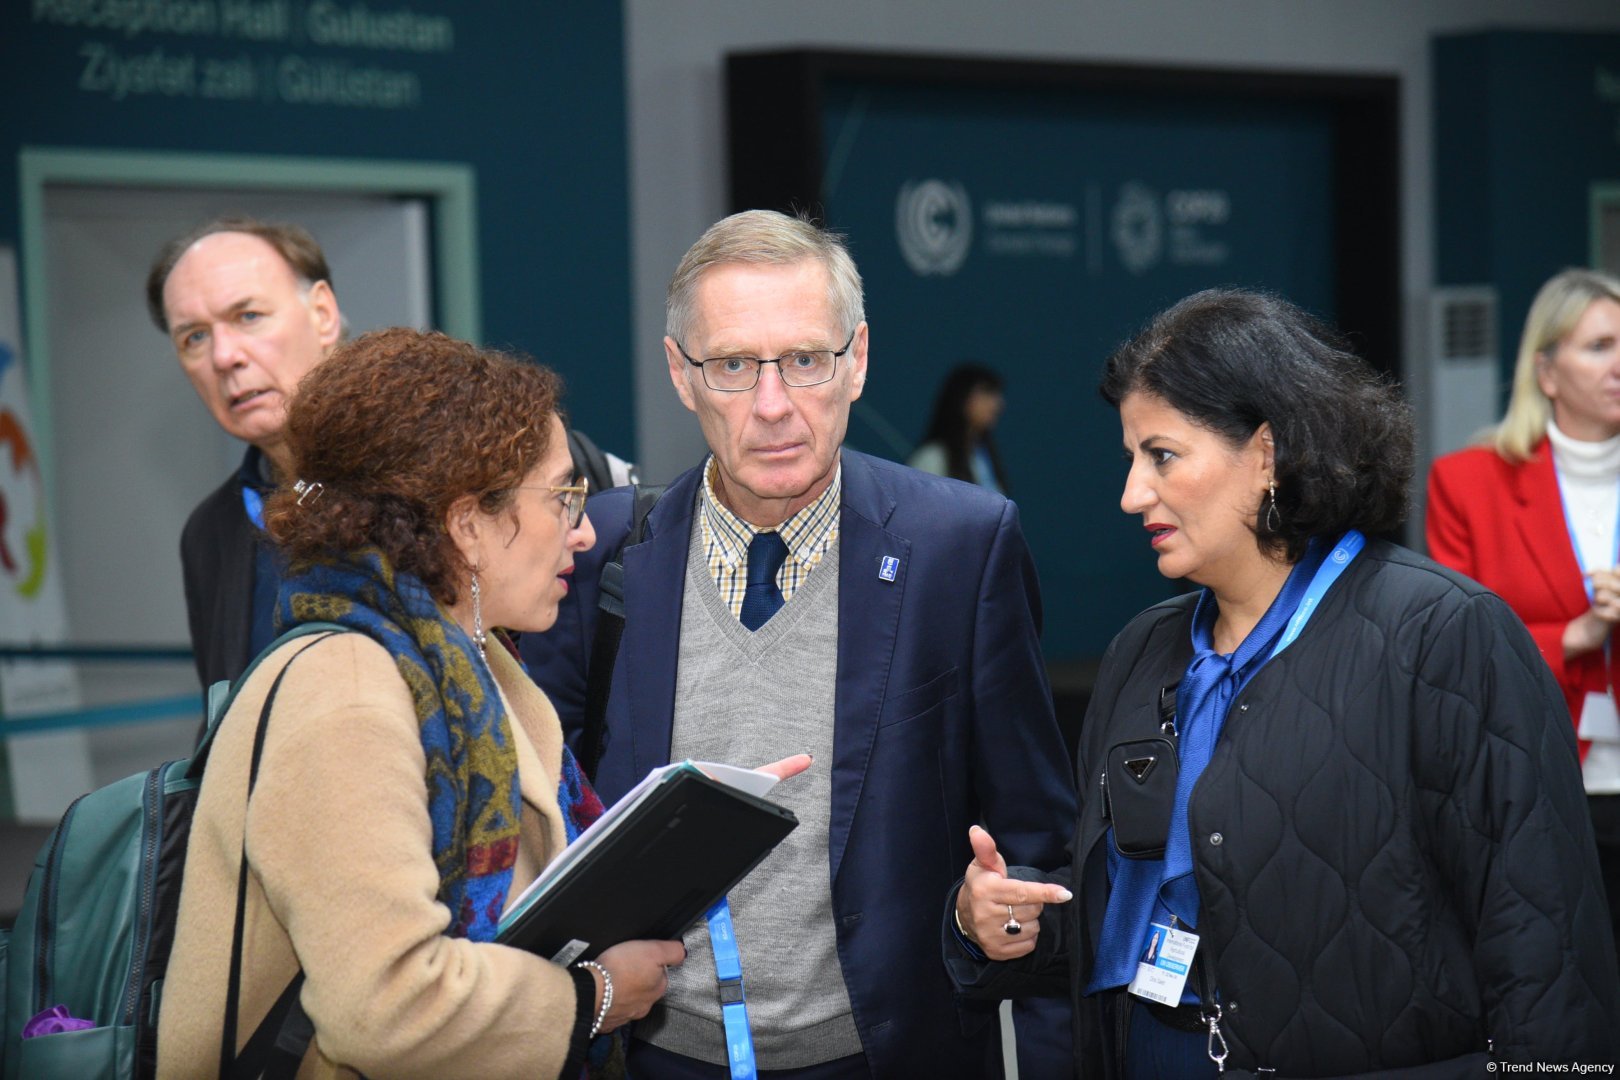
point(249, 308)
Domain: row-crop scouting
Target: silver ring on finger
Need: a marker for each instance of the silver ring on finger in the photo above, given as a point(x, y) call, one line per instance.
point(1012, 926)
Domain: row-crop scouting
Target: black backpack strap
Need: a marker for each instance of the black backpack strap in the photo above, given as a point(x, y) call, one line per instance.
point(259, 1056)
point(609, 629)
point(277, 1048)
point(589, 461)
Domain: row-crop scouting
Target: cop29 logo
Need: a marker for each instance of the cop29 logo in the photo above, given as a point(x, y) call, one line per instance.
point(934, 223)
point(1138, 227)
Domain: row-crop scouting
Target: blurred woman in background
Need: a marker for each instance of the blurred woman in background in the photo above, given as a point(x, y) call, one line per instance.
point(1532, 515)
point(961, 441)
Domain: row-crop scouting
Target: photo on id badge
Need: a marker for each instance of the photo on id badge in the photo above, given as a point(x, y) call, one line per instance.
point(1166, 960)
point(1155, 939)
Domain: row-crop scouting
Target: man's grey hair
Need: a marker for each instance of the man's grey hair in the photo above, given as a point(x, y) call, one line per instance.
point(768, 238)
point(293, 243)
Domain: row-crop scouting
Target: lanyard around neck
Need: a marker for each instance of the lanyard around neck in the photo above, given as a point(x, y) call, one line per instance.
point(253, 503)
point(1586, 570)
point(1343, 554)
point(1574, 541)
point(733, 1004)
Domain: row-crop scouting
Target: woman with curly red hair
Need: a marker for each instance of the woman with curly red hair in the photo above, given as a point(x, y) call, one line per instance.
point(412, 778)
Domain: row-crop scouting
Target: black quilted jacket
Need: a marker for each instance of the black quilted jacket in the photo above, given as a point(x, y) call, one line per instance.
point(1391, 841)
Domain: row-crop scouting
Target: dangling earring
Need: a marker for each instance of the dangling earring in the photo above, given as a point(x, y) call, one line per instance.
point(478, 619)
point(1273, 519)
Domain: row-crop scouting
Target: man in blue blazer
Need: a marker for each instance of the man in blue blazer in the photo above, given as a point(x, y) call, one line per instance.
point(793, 596)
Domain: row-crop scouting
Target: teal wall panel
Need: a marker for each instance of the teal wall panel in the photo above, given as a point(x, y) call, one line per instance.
point(1525, 124)
point(530, 96)
point(1059, 223)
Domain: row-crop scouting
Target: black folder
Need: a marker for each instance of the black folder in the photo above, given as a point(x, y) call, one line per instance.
point(675, 847)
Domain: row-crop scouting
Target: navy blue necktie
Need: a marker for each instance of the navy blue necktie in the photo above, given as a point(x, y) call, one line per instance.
point(762, 599)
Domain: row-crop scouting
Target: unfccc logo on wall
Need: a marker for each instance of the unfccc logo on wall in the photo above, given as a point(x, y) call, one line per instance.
point(934, 223)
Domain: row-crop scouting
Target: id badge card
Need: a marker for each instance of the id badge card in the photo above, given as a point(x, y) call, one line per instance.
point(1167, 956)
point(1599, 720)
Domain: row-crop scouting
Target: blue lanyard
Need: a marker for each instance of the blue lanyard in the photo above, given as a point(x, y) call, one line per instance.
point(733, 1007)
point(253, 503)
point(1580, 559)
point(1343, 554)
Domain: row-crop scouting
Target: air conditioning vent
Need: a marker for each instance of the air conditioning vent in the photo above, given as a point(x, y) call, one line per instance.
point(1466, 376)
point(1465, 323)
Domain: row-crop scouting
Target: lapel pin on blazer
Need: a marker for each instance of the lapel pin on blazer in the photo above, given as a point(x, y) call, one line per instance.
point(889, 568)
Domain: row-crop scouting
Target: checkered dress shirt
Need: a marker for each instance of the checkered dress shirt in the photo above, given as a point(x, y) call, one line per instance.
point(807, 534)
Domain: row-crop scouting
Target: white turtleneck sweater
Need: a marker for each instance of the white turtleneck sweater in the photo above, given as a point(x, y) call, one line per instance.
point(1589, 477)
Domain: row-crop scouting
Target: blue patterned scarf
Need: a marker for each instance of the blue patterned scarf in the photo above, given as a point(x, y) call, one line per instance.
point(474, 799)
point(579, 801)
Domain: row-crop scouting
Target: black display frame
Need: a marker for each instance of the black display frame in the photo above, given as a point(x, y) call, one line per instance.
point(776, 144)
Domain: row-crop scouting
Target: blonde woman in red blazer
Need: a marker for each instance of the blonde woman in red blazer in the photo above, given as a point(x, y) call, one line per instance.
point(1533, 513)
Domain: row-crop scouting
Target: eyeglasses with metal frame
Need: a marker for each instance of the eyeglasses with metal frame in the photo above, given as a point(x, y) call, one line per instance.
point(799, 368)
point(573, 497)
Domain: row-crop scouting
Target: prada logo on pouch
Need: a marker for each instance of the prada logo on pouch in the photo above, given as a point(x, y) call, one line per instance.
point(1141, 766)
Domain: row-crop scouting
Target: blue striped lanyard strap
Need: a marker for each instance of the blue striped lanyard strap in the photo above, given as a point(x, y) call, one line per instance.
point(733, 1007)
point(1343, 554)
point(253, 503)
point(1580, 560)
point(1575, 543)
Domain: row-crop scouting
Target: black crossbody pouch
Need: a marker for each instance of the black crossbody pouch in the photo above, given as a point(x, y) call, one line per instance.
point(1139, 785)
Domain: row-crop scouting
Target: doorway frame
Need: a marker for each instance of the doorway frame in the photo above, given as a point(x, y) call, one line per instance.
point(1605, 195)
point(774, 102)
point(449, 188)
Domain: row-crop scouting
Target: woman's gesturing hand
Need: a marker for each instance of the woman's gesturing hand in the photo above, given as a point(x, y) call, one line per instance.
point(1606, 594)
point(990, 905)
point(789, 766)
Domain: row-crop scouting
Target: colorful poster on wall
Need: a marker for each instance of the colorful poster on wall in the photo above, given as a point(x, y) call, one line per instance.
point(46, 771)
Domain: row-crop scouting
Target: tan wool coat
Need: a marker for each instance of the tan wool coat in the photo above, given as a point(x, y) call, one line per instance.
point(342, 881)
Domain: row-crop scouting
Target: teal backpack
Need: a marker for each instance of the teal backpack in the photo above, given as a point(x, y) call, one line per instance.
point(98, 918)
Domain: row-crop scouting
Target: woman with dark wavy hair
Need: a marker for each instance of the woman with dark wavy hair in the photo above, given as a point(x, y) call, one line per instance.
point(412, 778)
point(1331, 821)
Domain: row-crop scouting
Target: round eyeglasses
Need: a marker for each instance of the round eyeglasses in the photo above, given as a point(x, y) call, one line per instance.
point(801, 367)
point(570, 498)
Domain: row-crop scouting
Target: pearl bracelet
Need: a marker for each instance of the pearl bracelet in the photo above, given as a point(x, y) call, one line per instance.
point(607, 993)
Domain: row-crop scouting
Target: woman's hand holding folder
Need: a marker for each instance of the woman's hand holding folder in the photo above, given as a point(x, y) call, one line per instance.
point(639, 968)
point(640, 977)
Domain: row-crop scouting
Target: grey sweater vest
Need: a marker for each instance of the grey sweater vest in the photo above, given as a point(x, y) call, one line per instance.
point(747, 698)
